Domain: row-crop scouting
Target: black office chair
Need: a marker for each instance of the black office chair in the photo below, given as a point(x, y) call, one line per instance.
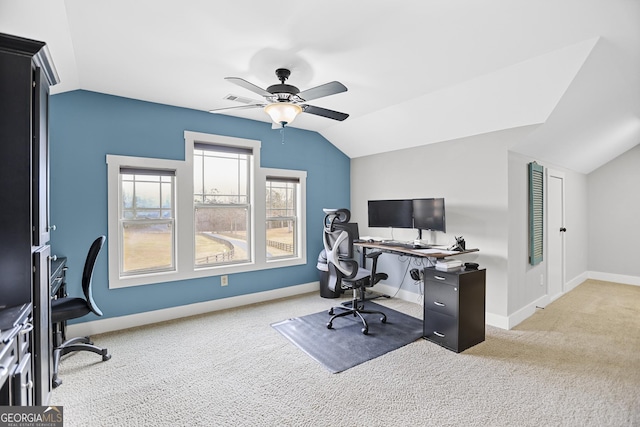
point(63, 309)
point(344, 270)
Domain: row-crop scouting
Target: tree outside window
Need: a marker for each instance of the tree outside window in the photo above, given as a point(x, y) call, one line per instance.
point(221, 205)
point(282, 217)
point(147, 221)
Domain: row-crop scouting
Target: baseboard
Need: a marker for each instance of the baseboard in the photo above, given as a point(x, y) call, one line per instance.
point(522, 314)
point(571, 284)
point(527, 311)
point(139, 319)
point(504, 322)
point(496, 320)
point(617, 278)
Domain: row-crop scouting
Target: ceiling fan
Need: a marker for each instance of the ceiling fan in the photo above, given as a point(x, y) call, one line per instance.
point(283, 102)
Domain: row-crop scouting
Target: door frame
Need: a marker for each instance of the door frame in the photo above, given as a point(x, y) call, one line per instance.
point(552, 173)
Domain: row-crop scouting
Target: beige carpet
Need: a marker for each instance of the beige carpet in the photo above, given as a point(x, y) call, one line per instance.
point(575, 363)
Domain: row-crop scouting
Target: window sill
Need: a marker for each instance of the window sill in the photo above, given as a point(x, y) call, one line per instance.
point(197, 273)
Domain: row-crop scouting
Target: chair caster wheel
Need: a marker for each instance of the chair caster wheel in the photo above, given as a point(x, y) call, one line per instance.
point(56, 382)
point(329, 325)
point(106, 357)
point(331, 312)
point(365, 331)
point(383, 319)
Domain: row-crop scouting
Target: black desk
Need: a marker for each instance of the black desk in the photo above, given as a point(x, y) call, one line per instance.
point(454, 301)
point(418, 253)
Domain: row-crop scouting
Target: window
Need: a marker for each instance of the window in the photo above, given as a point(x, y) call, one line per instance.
point(282, 217)
point(147, 221)
point(222, 204)
point(216, 212)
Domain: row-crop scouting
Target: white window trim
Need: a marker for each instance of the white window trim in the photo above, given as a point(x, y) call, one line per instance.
point(114, 164)
point(184, 230)
point(301, 207)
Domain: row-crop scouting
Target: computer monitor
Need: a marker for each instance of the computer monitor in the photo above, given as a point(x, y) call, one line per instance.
point(428, 214)
point(391, 213)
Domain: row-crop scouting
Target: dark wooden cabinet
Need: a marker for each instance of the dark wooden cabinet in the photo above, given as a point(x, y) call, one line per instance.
point(16, 367)
point(42, 349)
point(23, 382)
point(454, 307)
point(40, 159)
point(26, 73)
point(58, 280)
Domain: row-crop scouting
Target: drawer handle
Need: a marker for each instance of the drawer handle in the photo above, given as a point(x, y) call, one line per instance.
point(439, 278)
point(438, 334)
point(28, 385)
point(3, 370)
point(439, 304)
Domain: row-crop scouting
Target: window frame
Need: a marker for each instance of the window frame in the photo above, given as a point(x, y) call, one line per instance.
point(297, 218)
point(246, 204)
point(122, 221)
point(184, 214)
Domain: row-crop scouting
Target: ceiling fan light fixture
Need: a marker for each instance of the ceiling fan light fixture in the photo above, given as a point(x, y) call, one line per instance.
point(283, 113)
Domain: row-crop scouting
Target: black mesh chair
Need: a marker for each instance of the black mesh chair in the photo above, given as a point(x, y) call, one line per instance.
point(344, 271)
point(63, 309)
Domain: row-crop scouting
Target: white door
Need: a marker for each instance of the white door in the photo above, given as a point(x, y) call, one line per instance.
point(555, 234)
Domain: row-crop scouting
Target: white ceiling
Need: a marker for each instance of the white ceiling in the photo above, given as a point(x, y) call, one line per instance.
point(418, 72)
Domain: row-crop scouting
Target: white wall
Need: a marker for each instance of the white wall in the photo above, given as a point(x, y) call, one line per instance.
point(614, 216)
point(577, 225)
point(524, 282)
point(472, 175)
point(485, 190)
point(525, 289)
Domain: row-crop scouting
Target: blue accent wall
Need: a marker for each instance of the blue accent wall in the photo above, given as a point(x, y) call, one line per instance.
point(86, 126)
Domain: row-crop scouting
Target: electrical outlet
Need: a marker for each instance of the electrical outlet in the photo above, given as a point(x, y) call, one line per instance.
point(224, 280)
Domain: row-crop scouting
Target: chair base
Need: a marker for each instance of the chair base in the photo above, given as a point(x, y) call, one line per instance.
point(354, 310)
point(74, 344)
point(366, 295)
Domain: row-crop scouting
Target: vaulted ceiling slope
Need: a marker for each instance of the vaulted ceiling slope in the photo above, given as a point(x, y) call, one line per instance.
point(418, 72)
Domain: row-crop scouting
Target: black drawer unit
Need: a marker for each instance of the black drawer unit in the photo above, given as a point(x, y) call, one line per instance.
point(454, 307)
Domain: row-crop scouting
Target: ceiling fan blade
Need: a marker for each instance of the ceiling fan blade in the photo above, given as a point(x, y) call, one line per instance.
point(239, 107)
point(245, 84)
point(323, 90)
point(319, 111)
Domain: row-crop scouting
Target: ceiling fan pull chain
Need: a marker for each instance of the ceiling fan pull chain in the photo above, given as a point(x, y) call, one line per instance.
point(282, 133)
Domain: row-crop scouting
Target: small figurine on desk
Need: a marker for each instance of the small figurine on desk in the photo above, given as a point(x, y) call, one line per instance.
point(459, 245)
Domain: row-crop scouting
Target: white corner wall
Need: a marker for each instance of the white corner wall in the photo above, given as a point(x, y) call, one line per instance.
point(472, 175)
point(614, 217)
point(526, 290)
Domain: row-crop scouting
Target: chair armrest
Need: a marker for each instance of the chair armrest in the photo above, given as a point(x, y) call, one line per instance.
point(374, 256)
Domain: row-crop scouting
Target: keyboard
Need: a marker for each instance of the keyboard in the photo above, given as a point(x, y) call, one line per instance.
point(404, 245)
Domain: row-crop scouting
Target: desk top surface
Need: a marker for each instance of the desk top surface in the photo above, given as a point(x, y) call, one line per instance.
point(424, 253)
